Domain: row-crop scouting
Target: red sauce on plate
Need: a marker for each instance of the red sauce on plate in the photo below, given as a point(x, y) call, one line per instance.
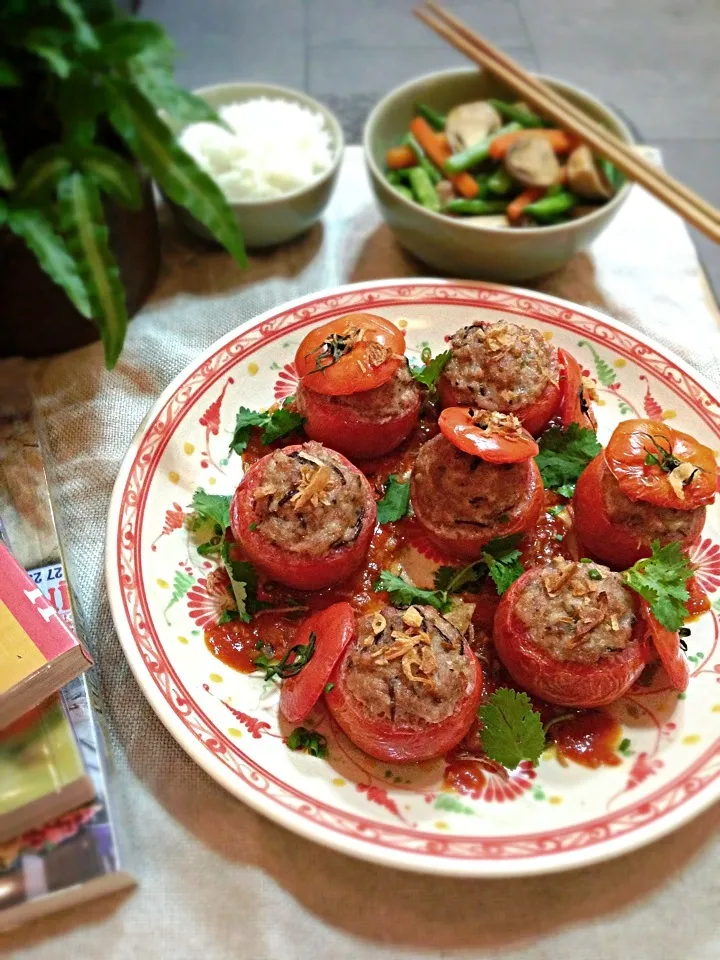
point(590, 738)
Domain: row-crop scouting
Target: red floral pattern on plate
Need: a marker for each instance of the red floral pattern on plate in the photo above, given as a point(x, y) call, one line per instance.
point(209, 597)
point(174, 519)
point(498, 785)
point(287, 382)
point(706, 560)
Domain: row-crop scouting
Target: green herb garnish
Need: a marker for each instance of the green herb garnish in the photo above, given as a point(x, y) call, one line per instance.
point(309, 741)
point(661, 579)
point(429, 373)
point(291, 664)
point(404, 594)
point(213, 507)
point(395, 502)
point(500, 560)
point(512, 731)
point(563, 456)
point(274, 424)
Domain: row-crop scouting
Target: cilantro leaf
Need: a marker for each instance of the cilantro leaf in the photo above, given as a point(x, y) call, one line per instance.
point(309, 741)
point(429, 374)
point(454, 579)
point(404, 594)
point(563, 456)
point(503, 561)
point(212, 506)
point(394, 504)
point(661, 579)
point(244, 583)
point(274, 425)
point(512, 731)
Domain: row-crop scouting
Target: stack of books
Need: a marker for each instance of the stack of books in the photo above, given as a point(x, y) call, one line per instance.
point(59, 842)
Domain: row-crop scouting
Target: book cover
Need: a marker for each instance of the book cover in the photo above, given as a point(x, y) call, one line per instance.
point(41, 770)
point(38, 651)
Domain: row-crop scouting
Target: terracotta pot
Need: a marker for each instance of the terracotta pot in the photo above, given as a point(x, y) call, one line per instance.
point(36, 317)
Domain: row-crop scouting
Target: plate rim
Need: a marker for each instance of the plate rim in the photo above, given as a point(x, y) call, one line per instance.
point(289, 818)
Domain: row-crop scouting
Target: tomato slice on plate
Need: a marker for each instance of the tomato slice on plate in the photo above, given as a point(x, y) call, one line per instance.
point(331, 630)
point(574, 399)
point(494, 437)
point(668, 649)
point(653, 462)
point(357, 352)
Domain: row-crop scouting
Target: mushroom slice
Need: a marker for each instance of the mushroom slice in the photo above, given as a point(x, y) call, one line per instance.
point(583, 176)
point(469, 123)
point(532, 162)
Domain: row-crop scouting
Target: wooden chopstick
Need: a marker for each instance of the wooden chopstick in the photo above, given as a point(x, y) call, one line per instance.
point(681, 199)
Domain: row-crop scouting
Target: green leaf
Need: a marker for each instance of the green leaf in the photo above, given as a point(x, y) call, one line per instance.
point(563, 456)
point(454, 579)
point(396, 501)
point(9, 76)
point(404, 594)
point(244, 582)
point(212, 506)
point(661, 579)
point(503, 561)
point(446, 801)
point(134, 118)
point(47, 43)
point(512, 731)
point(84, 33)
point(83, 223)
point(6, 177)
point(114, 175)
point(157, 83)
point(430, 372)
point(122, 39)
point(80, 101)
point(40, 174)
point(309, 741)
point(275, 424)
point(3, 212)
point(51, 253)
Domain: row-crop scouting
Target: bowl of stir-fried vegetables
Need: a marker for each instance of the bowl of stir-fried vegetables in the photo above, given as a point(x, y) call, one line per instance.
point(477, 184)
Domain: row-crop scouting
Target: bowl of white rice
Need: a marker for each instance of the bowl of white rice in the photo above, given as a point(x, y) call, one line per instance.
point(276, 159)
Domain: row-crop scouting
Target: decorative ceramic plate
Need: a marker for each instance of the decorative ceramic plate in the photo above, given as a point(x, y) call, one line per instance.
point(530, 820)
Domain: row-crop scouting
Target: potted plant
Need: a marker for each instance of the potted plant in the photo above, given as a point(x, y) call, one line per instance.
point(83, 90)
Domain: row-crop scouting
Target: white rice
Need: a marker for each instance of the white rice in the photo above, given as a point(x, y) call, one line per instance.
point(275, 148)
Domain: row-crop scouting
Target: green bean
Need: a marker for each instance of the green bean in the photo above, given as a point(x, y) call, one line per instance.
point(422, 159)
point(423, 189)
point(500, 182)
point(393, 177)
point(478, 152)
point(435, 119)
point(477, 208)
point(554, 189)
point(404, 191)
point(521, 115)
point(611, 173)
point(549, 207)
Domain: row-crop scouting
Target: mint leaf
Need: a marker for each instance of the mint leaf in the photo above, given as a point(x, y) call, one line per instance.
point(563, 456)
point(404, 594)
point(661, 579)
point(512, 731)
point(396, 501)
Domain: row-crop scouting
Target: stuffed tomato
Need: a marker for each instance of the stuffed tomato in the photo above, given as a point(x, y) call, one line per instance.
point(476, 480)
point(651, 483)
point(304, 515)
point(572, 633)
point(408, 688)
point(356, 392)
point(506, 368)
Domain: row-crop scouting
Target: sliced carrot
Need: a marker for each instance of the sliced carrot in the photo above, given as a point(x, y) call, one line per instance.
point(515, 208)
point(439, 151)
point(442, 137)
point(560, 141)
point(397, 158)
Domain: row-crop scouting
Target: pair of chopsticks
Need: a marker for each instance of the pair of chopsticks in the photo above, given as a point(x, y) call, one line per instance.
point(567, 116)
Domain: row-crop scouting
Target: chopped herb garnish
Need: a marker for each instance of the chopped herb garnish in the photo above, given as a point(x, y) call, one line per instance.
point(661, 580)
point(291, 664)
point(512, 731)
point(252, 527)
point(274, 424)
point(244, 584)
point(585, 560)
point(227, 616)
point(404, 594)
point(328, 687)
point(563, 456)
point(396, 501)
point(594, 574)
point(309, 741)
point(429, 373)
point(554, 511)
point(500, 560)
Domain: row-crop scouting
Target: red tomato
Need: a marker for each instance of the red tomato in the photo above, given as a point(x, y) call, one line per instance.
point(667, 645)
point(574, 404)
point(495, 437)
point(350, 354)
point(333, 629)
point(565, 682)
point(341, 428)
point(534, 417)
point(617, 546)
point(643, 456)
point(466, 542)
point(304, 572)
point(384, 740)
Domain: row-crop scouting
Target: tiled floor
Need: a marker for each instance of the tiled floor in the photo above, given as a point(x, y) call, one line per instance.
point(656, 60)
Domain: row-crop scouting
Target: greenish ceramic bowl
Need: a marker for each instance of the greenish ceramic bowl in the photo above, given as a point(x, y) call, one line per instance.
point(267, 223)
point(464, 249)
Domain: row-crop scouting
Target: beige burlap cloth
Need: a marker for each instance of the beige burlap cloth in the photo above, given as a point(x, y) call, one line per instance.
point(219, 882)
